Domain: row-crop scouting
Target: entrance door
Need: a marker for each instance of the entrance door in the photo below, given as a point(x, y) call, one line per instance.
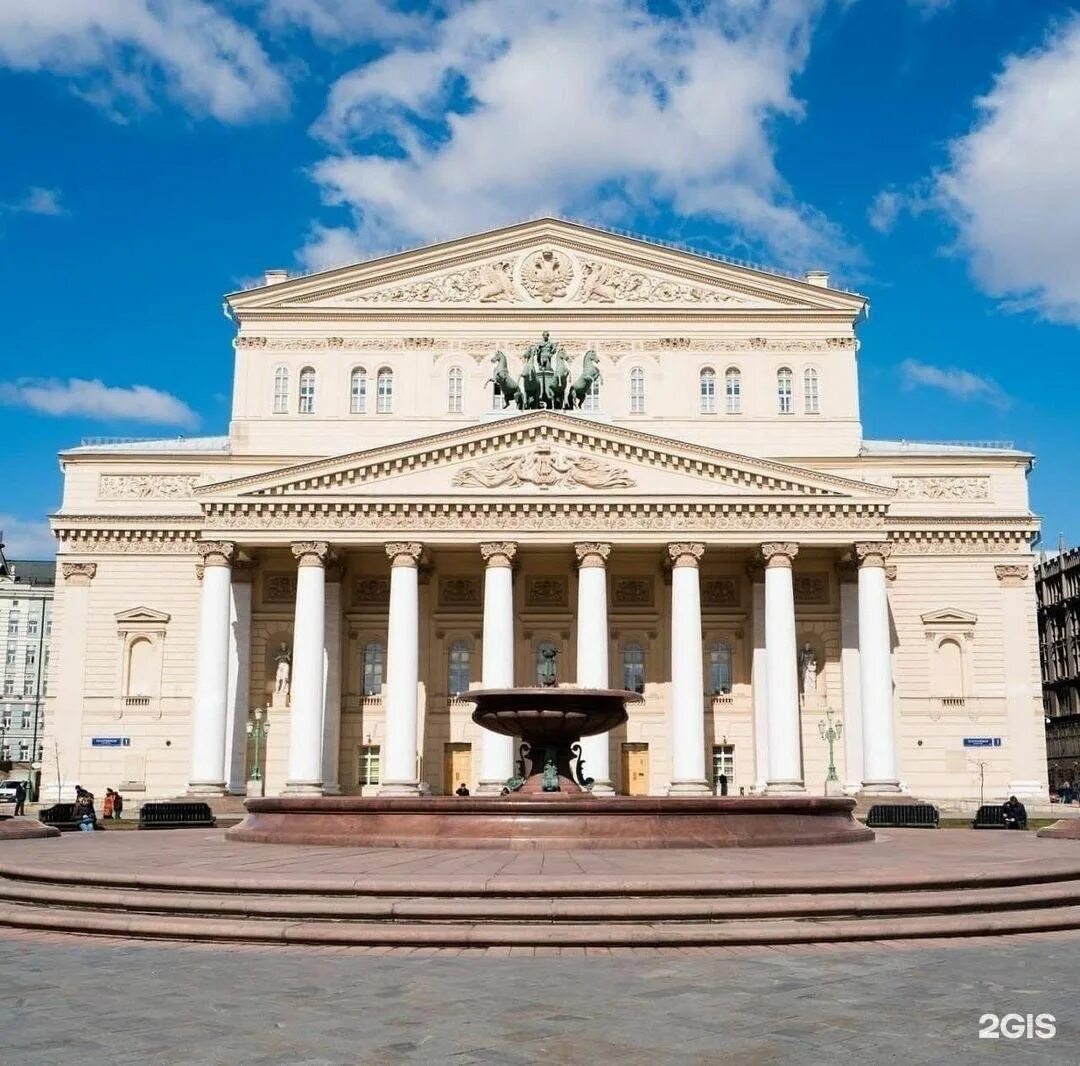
point(635, 769)
point(457, 766)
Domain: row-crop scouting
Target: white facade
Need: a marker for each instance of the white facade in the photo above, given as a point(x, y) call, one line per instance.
point(711, 528)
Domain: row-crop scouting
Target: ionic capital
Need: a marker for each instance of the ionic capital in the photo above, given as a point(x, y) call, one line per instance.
point(592, 554)
point(1012, 576)
point(78, 573)
point(216, 552)
point(404, 554)
point(499, 552)
point(779, 553)
point(310, 552)
point(873, 553)
point(685, 553)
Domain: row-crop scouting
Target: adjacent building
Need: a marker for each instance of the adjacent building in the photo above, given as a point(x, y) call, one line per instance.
point(1057, 582)
point(26, 600)
point(452, 466)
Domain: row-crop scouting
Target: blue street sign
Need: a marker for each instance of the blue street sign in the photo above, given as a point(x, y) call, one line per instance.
point(110, 742)
point(982, 742)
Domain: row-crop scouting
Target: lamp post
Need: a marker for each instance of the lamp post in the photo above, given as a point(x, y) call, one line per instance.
point(257, 730)
point(830, 732)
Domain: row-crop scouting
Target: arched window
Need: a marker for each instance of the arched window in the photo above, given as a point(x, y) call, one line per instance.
point(592, 398)
point(733, 390)
point(545, 652)
point(707, 389)
point(785, 403)
point(140, 668)
point(460, 668)
point(374, 657)
point(307, 391)
point(384, 387)
point(633, 667)
point(811, 404)
point(637, 391)
point(455, 391)
point(719, 667)
point(950, 669)
point(358, 391)
point(281, 390)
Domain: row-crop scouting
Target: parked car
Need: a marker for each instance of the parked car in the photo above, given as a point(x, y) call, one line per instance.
point(7, 791)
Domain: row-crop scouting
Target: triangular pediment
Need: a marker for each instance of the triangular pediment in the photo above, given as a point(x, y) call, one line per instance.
point(544, 454)
point(949, 616)
point(549, 264)
point(145, 615)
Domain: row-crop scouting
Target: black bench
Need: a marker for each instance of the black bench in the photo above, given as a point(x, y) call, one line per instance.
point(176, 815)
point(992, 816)
point(903, 816)
point(61, 815)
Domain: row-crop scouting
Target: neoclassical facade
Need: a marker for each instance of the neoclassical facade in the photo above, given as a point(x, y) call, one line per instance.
point(703, 522)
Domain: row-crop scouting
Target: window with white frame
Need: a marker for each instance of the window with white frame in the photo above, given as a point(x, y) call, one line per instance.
point(707, 390)
point(31, 626)
point(811, 403)
point(455, 391)
point(27, 718)
point(368, 768)
point(723, 765)
point(633, 667)
point(11, 652)
point(374, 657)
point(30, 656)
point(460, 668)
point(785, 402)
point(384, 387)
point(719, 667)
point(24, 750)
point(307, 391)
point(358, 391)
point(637, 391)
point(592, 397)
point(281, 390)
point(733, 390)
point(13, 625)
point(9, 686)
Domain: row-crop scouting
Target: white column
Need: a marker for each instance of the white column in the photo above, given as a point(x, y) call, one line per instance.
point(785, 747)
point(759, 681)
point(497, 752)
point(211, 672)
point(306, 682)
point(875, 671)
point(400, 706)
point(850, 679)
point(239, 678)
point(687, 674)
point(592, 654)
point(331, 733)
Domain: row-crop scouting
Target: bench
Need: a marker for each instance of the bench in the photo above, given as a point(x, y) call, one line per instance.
point(992, 816)
point(61, 815)
point(903, 816)
point(176, 815)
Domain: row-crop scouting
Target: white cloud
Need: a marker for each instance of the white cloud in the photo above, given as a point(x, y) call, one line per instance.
point(37, 201)
point(120, 53)
point(516, 108)
point(96, 400)
point(1011, 185)
point(961, 384)
point(341, 20)
point(26, 540)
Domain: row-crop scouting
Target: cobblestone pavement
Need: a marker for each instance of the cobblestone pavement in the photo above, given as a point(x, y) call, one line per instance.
point(73, 1000)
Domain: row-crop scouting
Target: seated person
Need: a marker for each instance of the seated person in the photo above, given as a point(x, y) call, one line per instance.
point(1015, 814)
point(462, 789)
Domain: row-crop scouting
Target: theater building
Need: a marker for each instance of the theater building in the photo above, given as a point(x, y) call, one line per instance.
point(666, 489)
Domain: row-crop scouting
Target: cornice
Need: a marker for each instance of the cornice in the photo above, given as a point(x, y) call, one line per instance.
point(542, 315)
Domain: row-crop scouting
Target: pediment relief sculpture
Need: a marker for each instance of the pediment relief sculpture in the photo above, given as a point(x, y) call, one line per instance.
point(544, 468)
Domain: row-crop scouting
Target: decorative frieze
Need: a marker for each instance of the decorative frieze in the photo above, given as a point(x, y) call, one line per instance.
point(943, 488)
point(545, 590)
point(460, 592)
point(279, 586)
point(146, 486)
point(811, 588)
point(545, 469)
point(370, 591)
point(489, 283)
point(960, 542)
point(632, 592)
point(608, 283)
point(360, 344)
point(750, 344)
point(720, 592)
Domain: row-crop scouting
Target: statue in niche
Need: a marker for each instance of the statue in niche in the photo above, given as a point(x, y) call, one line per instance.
point(545, 670)
point(284, 668)
point(808, 669)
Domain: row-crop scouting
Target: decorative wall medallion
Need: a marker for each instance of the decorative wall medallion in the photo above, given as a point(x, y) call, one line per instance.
point(720, 592)
point(943, 488)
point(544, 468)
point(632, 592)
point(545, 591)
point(371, 591)
point(811, 588)
point(459, 592)
point(546, 274)
point(146, 486)
point(279, 587)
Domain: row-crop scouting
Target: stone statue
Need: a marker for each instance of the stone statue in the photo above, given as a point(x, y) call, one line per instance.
point(281, 675)
point(546, 672)
point(808, 669)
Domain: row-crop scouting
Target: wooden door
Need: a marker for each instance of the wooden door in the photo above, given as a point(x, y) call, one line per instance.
point(457, 767)
point(635, 769)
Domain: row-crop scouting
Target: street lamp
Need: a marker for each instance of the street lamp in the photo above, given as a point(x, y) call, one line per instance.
point(257, 730)
point(830, 732)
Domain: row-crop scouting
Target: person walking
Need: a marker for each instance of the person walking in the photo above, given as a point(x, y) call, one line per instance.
point(118, 805)
point(20, 798)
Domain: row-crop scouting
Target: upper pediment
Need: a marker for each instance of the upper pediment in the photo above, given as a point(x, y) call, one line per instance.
point(548, 264)
point(544, 454)
point(143, 615)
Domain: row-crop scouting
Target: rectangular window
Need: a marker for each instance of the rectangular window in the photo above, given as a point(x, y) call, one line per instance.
point(637, 391)
point(27, 719)
point(31, 657)
point(24, 750)
point(723, 764)
point(369, 765)
point(733, 392)
point(13, 625)
point(11, 651)
point(9, 686)
point(384, 392)
point(31, 626)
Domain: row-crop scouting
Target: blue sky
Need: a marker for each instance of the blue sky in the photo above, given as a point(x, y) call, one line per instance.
point(159, 153)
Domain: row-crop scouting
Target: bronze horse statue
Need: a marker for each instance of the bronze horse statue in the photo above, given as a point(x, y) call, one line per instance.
point(590, 372)
point(505, 385)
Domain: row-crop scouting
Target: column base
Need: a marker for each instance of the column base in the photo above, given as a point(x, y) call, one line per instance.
point(400, 788)
point(602, 788)
point(206, 788)
point(331, 789)
point(303, 788)
point(880, 788)
point(785, 788)
point(689, 788)
point(490, 788)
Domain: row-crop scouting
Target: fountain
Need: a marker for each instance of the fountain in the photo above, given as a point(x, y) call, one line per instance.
point(548, 804)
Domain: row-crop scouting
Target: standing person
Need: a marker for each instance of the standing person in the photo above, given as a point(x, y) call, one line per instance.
point(118, 805)
point(20, 798)
point(1066, 791)
point(107, 804)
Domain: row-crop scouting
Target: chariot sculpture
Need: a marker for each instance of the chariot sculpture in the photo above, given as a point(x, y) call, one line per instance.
point(545, 378)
